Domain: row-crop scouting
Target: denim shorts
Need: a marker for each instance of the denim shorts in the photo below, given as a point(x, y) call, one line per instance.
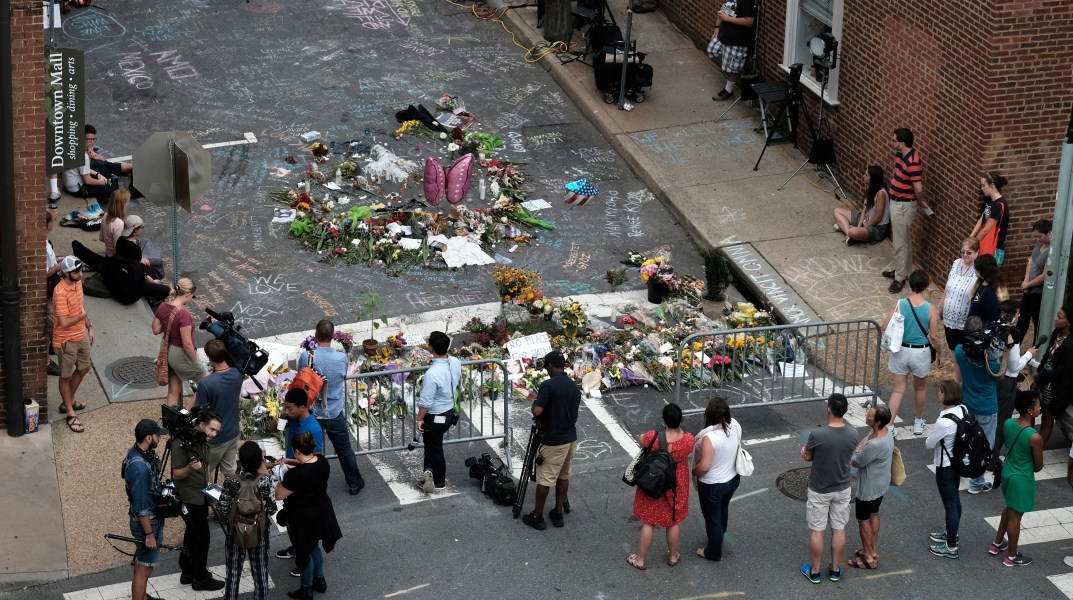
point(142, 555)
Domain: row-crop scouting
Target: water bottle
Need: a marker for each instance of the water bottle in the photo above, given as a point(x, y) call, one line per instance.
point(482, 188)
point(338, 177)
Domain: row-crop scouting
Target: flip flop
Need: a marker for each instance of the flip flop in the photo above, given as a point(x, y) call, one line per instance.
point(632, 559)
point(77, 406)
point(73, 422)
point(677, 557)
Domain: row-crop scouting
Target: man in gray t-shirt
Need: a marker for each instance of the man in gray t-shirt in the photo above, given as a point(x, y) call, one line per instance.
point(829, 449)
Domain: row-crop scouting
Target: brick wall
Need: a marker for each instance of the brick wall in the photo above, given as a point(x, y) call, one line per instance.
point(27, 47)
point(983, 85)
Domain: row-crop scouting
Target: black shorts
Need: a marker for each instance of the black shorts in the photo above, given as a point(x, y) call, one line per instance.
point(867, 508)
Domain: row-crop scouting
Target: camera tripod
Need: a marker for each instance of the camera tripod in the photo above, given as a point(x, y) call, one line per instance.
point(822, 153)
point(597, 16)
point(528, 468)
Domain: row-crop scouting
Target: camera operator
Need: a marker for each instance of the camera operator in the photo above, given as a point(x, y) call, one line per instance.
point(979, 389)
point(142, 480)
point(219, 392)
point(331, 412)
point(556, 407)
point(190, 473)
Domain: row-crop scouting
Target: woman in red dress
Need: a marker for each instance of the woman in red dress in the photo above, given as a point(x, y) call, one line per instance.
point(670, 510)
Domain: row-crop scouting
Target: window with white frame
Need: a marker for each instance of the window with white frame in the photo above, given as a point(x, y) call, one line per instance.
point(805, 19)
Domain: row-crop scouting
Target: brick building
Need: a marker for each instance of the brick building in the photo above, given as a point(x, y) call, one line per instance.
point(28, 81)
point(985, 86)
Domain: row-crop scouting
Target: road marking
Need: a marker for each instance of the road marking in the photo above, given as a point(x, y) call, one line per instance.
point(168, 586)
point(407, 590)
point(624, 439)
point(756, 441)
point(1040, 526)
point(715, 595)
point(1054, 467)
point(752, 493)
point(1063, 582)
point(888, 574)
point(247, 138)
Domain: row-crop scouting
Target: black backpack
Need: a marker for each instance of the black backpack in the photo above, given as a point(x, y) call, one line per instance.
point(247, 519)
point(972, 452)
point(656, 472)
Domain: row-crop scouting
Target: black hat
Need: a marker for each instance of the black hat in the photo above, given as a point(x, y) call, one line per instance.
point(555, 359)
point(147, 427)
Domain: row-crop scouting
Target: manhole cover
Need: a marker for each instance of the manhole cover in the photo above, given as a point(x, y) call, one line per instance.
point(794, 483)
point(135, 372)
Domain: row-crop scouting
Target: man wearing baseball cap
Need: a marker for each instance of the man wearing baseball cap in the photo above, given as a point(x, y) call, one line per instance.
point(71, 337)
point(143, 487)
point(556, 408)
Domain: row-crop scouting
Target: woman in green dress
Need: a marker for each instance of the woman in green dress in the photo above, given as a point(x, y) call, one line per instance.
point(1024, 457)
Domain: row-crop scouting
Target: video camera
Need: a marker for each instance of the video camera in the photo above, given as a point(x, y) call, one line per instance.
point(990, 340)
point(242, 354)
point(495, 478)
point(182, 425)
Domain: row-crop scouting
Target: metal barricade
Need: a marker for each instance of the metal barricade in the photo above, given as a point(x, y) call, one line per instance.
point(382, 407)
point(780, 364)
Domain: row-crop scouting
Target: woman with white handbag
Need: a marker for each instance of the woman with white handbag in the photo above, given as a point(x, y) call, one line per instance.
point(920, 347)
point(715, 472)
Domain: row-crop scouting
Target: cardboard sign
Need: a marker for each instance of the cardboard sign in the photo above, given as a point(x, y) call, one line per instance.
point(530, 346)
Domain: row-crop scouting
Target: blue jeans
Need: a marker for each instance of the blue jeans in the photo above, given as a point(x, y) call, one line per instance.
point(989, 423)
point(339, 434)
point(949, 482)
point(715, 504)
point(314, 568)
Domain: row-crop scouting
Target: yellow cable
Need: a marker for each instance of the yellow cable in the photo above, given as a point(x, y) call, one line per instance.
point(533, 54)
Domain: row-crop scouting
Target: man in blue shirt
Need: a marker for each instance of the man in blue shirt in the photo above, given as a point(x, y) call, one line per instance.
point(143, 486)
point(978, 387)
point(330, 410)
point(556, 407)
point(219, 392)
point(435, 414)
point(296, 411)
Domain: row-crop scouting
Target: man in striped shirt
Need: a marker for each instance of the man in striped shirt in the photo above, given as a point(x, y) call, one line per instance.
point(906, 189)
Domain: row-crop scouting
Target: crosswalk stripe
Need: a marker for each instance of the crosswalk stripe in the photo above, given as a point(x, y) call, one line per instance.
point(1040, 526)
point(168, 587)
point(1054, 467)
point(1064, 583)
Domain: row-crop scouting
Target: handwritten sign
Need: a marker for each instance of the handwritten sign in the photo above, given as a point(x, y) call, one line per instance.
point(530, 346)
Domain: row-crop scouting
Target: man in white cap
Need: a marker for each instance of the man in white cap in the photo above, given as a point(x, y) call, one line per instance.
point(71, 337)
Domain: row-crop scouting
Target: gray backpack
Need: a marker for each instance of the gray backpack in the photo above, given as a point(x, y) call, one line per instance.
point(247, 519)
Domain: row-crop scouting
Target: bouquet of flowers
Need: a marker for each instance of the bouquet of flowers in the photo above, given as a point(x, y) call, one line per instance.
point(573, 318)
point(512, 281)
point(745, 314)
point(535, 302)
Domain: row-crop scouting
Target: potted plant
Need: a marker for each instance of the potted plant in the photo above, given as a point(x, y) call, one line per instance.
point(370, 303)
point(717, 274)
point(492, 388)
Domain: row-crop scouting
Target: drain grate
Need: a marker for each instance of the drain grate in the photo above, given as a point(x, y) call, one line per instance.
point(135, 372)
point(794, 483)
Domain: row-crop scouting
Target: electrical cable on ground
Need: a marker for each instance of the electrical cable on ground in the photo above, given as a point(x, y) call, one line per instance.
point(532, 54)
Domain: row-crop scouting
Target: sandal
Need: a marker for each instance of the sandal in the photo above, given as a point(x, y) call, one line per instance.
point(632, 559)
point(860, 554)
point(860, 563)
point(677, 557)
point(77, 406)
point(73, 422)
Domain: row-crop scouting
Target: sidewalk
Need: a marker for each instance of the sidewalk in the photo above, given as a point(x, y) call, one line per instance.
point(781, 243)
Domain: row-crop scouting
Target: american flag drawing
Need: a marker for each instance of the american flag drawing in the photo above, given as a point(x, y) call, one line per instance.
point(580, 191)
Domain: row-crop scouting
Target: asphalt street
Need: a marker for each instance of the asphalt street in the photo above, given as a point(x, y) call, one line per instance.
point(460, 545)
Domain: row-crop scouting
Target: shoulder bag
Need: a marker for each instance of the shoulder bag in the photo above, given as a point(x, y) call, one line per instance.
point(629, 477)
point(743, 462)
point(913, 312)
point(897, 468)
point(998, 465)
point(892, 335)
point(162, 357)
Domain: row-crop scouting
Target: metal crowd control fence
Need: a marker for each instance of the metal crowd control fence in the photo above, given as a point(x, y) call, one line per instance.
point(382, 406)
point(779, 364)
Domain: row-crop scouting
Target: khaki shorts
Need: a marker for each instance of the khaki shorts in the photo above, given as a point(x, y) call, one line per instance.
point(224, 455)
point(73, 356)
point(832, 508)
point(556, 465)
point(180, 364)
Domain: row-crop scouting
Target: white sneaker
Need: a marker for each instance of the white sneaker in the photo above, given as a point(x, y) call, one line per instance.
point(893, 431)
point(54, 196)
point(1068, 560)
point(836, 227)
point(918, 426)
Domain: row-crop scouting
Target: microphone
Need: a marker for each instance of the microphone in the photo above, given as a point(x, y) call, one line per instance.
point(1042, 340)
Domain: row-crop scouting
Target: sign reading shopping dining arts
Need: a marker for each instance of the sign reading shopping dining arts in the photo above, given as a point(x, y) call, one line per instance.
point(65, 109)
